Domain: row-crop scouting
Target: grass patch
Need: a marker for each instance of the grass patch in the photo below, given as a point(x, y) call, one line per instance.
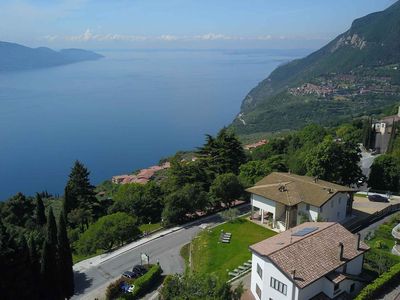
point(361, 195)
point(211, 256)
point(149, 227)
point(79, 257)
point(382, 236)
point(185, 254)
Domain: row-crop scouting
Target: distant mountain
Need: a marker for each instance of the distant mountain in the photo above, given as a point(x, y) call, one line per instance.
point(356, 73)
point(15, 57)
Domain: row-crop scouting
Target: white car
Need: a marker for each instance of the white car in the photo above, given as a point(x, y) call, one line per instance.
point(131, 288)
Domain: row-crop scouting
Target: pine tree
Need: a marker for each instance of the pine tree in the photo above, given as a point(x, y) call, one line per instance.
point(65, 259)
point(79, 193)
point(40, 216)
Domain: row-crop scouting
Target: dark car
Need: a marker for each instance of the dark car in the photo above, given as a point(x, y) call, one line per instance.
point(139, 269)
point(377, 198)
point(130, 275)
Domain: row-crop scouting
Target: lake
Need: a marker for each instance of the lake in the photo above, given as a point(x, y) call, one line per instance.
point(120, 113)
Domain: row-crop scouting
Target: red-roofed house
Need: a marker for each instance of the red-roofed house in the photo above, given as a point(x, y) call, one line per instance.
point(320, 260)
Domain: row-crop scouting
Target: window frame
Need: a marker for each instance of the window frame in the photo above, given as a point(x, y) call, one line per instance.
point(258, 291)
point(259, 271)
point(278, 285)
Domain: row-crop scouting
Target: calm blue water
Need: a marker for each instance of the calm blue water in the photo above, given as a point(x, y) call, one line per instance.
point(120, 113)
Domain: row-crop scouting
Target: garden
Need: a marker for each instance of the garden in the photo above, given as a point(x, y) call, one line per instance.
point(210, 255)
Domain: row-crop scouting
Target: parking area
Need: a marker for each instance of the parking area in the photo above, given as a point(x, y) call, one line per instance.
point(364, 205)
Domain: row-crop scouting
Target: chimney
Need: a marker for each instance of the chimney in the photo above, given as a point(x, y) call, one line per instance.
point(340, 252)
point(293, 274)
point(358, 240)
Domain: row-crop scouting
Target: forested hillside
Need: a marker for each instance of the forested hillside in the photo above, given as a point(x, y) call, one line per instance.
point(357, 73)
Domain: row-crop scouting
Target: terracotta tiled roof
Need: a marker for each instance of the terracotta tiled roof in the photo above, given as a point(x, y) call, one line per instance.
point(313, 255)
point(291, 189)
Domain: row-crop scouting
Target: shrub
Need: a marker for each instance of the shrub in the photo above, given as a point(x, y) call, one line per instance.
point(144, 283)
point(380, 261)
point(372, 290)
point(114, 290)
point(379, 244)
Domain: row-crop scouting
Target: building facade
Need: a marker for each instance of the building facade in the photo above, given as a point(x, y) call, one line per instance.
point(284, 200)
point(302, 263)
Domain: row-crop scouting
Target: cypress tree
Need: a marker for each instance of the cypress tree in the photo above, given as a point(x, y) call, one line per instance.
point(35, 268)
point(65, 259)
point(40, 216)
point(51, 229)
point(49, 267)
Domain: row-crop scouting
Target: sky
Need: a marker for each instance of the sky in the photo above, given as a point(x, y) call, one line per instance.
point(95, 24)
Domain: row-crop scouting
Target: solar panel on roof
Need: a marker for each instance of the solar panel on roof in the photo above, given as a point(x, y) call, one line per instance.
point(304, 231)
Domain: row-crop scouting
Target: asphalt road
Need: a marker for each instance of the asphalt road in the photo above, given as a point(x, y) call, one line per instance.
point(365, 163)
point(164, 250)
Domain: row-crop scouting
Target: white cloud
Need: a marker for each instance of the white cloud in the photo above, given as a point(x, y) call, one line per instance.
point(88, 36)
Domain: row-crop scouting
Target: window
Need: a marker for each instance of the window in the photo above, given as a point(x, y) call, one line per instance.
point(258, 291)
point(320, 209)
point(279, 286)
point(340, 199)
point(338, 214)
point(259, 271)
point(352, 287)
point(332, 203)
point(307, 206)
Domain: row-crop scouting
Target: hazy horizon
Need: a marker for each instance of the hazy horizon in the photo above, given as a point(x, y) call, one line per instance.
point(163, 24)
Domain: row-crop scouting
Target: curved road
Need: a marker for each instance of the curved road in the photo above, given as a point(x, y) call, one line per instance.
point(92, 282)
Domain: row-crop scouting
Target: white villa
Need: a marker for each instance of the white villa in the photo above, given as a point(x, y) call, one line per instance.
point(284, 200)
point(315, 261)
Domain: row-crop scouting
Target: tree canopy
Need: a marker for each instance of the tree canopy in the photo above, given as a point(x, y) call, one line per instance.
point(143, 201)
point(385, 173)
point(107, 232)
point(336, 162)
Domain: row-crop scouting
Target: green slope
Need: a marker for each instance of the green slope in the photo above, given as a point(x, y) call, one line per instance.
point(369, 50)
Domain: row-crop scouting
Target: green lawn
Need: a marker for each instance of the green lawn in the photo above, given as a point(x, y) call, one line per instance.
point(79, 257)
point(383, 235)
point(211, 256)
point(150, 227)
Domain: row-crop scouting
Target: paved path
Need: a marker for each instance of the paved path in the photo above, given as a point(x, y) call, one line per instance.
point(93, 276)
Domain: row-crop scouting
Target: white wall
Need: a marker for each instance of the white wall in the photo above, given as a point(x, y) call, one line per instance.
point(318, 286)
point(312, 213)
point(354, 267)
point(265, 204)
point(269, 270)
point(335, 209)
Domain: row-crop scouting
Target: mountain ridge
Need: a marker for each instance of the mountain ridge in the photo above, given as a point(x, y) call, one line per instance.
point(372, 42)
point(17, 57)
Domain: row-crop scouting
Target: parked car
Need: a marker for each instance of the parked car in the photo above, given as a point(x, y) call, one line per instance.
point(130, 275)
point(127, 288)
point(377, 198)
point(139, 269)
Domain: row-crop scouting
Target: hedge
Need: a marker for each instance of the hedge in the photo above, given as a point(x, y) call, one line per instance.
point(114, 289)
point(144, 283)
point(378, 285)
